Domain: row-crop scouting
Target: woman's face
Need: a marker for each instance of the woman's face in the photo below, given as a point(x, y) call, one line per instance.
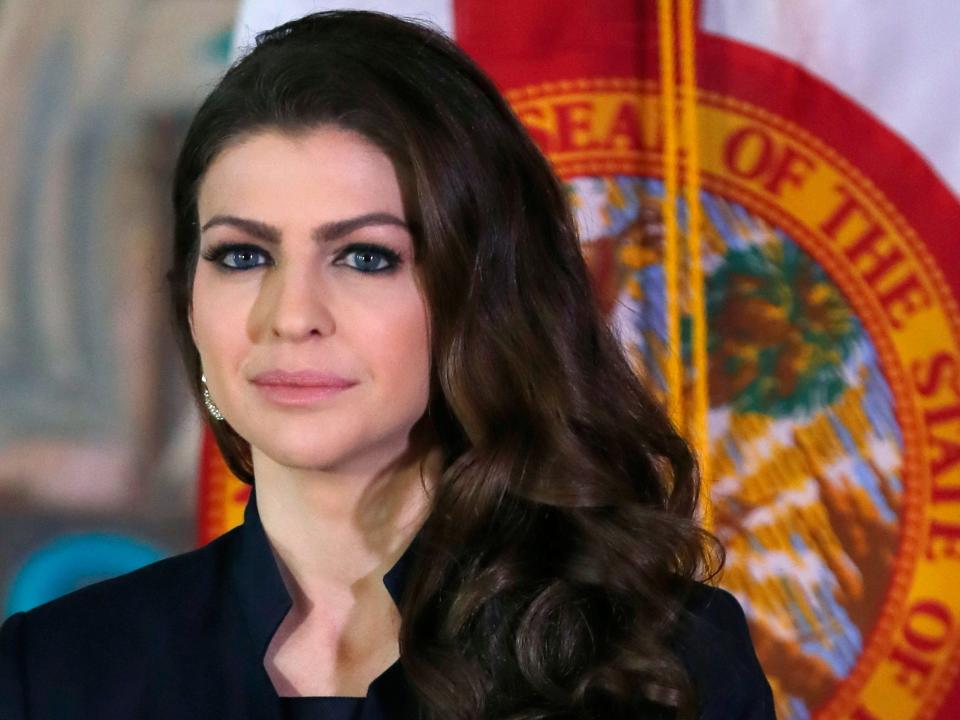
point(306, 310)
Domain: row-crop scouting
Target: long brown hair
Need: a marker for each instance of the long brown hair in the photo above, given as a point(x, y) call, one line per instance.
point(562, 537)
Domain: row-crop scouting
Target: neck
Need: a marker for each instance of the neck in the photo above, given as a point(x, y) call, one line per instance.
point(336, 533)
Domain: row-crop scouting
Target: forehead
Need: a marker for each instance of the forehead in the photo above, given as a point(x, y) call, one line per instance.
point(325, 172)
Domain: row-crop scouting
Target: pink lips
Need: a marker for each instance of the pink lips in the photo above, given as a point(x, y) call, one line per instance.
point(299, 387)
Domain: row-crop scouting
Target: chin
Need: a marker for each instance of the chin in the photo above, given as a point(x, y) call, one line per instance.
point(330, 454)
point(315, 455)
point(343, 441)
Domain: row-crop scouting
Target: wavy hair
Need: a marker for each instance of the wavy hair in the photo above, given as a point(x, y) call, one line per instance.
point(562, 537)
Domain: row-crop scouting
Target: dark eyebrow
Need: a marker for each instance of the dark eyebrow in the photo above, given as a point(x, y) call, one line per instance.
point(341, 228)
point(326, 232)
point(259, 230)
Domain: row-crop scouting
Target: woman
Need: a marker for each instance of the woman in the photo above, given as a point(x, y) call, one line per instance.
point(466, 505)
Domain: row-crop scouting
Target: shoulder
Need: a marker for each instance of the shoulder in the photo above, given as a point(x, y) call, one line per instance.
point(150, 594)
point(713, 640)
point(116, 621)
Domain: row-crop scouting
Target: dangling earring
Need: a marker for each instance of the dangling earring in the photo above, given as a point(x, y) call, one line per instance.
point(208, 401)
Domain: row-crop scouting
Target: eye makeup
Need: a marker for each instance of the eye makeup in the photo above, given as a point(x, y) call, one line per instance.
point(365, 258)
point(234, 257)
point(368, 258)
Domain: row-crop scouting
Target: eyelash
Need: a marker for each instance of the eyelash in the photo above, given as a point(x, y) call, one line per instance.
point(218, 254)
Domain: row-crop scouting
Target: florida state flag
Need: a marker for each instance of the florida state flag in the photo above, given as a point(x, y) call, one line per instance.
point(766, 194)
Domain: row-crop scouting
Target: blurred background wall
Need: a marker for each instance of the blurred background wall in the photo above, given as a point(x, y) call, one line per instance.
point(98, 438)
point(823, 209)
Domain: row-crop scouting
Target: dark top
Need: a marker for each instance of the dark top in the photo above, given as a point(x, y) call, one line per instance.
point(186, 637)
point(321, 708)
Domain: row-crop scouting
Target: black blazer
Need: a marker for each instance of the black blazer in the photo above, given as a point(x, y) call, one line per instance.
point(186, 637)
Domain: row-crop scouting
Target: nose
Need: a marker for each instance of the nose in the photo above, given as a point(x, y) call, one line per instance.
point(292, 305)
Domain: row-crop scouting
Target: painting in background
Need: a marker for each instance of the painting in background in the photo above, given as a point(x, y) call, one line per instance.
point(98, 437)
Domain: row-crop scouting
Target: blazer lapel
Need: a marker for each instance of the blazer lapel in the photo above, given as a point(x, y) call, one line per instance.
point(263, 601)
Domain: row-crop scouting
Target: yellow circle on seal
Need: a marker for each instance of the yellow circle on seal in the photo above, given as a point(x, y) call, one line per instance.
point(894, 572)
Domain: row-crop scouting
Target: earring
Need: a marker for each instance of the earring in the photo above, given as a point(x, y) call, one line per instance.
point(208, 401)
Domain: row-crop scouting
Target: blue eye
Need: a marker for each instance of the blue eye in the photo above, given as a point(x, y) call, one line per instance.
point(237, 257)
point(369, 258)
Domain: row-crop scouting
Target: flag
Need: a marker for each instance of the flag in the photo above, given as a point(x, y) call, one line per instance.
point(767, 200)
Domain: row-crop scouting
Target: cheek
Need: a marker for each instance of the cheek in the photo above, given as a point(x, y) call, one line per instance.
point(401, 343)
point(218, 321)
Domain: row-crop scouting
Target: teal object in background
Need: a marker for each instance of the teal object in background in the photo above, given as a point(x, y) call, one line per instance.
point(72, 561)
point(217, 47)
